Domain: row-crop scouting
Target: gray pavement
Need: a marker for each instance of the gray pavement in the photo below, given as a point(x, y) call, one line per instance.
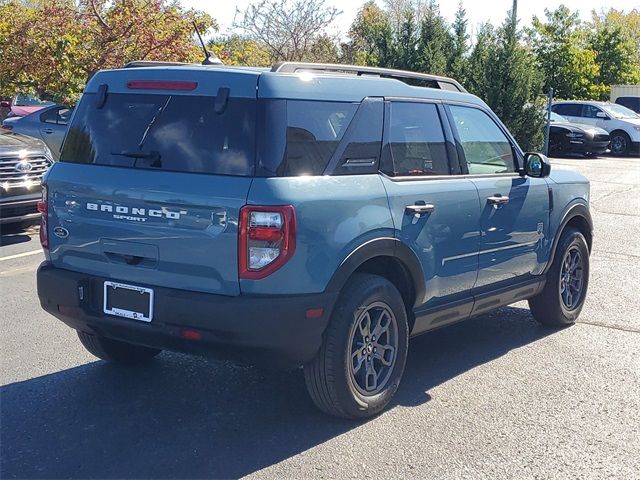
point(494, 397)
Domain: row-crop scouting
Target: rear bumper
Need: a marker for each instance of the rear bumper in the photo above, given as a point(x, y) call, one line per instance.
point(272, 330)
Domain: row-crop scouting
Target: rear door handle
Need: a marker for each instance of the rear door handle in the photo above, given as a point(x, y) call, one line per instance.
point(47, 130)
point(418, 210)
point(498, 200)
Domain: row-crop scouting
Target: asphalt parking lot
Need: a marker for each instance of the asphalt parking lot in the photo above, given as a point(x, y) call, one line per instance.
point(495, 397)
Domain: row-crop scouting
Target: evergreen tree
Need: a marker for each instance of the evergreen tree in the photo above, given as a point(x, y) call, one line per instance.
point(457, 61)
point(513, 85)
point(475, 78)
point(435, 42)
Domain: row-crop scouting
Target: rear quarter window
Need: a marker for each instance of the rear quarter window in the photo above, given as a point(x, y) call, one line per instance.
point(180, 133)
point(300, 136)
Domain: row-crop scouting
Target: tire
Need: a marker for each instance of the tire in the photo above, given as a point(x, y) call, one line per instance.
point(335, 378)
point(116, 351)
point(620, 143)
point(557, 146)
point(561, 301)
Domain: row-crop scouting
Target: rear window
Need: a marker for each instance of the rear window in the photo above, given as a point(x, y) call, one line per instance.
point(301, 136)
point(180, 133)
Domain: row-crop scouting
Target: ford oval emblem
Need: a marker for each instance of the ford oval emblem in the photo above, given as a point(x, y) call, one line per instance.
point(23, 167)
point(61, 232)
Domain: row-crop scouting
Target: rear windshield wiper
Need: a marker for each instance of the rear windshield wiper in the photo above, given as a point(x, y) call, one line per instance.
point(153, 155)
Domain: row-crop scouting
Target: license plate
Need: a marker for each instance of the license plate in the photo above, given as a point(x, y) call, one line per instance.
point(128, 301)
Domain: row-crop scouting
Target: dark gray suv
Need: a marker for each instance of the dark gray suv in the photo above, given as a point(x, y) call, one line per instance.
point(23, 162)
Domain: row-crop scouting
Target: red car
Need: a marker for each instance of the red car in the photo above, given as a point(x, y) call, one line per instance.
point(23, 104)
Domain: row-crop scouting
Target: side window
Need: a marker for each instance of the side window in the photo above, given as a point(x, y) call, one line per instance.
point(59, 116)
point(314, 130)
point(567, 109)
point(486, 148)
point(590, 111)
point(415, 141)
point(50, 116)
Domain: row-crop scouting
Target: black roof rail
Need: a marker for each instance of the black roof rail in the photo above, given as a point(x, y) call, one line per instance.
point(154, 63)
point(412, 78)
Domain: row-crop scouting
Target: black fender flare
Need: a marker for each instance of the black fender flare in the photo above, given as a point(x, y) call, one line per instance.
point(381, 247)
point(573, 211)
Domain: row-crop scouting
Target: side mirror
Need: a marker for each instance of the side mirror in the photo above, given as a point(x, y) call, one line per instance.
point(602, 115)
point(536, 165)
point(5, 104)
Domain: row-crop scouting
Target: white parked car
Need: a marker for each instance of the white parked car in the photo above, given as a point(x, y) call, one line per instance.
point(622, 123)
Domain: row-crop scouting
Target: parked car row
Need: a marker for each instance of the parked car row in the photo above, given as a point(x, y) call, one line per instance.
point(621, 123)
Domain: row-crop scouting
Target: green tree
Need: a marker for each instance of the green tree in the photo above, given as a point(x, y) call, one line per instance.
point(615, 35)
point(513, 85)
point(435, 41)
point(563, 55)
point(457, 64)
point(475, 78)
point(370, 37)
point(405, 52)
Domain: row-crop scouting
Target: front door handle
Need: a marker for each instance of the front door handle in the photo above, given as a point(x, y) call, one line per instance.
point(498, 200)
point(418, 210)
point(47, 130)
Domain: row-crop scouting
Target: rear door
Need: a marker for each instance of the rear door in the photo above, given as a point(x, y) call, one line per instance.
point(435, 210)
point(151, 179)
point(570, 111)
point(53, 126)
point(515, 209)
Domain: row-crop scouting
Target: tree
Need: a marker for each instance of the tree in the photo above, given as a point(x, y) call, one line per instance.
point(563, 54)
point(435, 41)
point(240, 50)
point(288, 29)
point(63, 42)
point(475, 78)
point(457, 59)
point(616, 55)
point(370, 37)
point(627, 27)
point(513, 85)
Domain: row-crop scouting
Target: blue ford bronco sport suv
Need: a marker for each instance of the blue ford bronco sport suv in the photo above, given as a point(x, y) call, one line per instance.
point(307, 215)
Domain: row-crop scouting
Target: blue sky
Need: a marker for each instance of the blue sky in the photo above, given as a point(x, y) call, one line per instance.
point(478, 11)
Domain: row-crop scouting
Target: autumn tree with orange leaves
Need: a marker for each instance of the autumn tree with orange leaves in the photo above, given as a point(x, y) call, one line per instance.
point(52, 47)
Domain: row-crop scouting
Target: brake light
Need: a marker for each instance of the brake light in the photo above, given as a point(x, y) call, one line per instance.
point(161, 85)
point(43, 208)
point(267, 239)
point(7, 127)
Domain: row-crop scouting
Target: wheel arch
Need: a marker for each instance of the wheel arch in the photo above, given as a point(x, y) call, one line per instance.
point(389, 258)
point(576, 216)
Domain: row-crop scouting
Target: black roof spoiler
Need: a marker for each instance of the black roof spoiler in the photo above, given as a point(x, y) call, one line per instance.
point(412, 78)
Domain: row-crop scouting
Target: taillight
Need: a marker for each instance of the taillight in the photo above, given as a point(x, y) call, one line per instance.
point(267, 239)
point(43, 208)
point(7, 127)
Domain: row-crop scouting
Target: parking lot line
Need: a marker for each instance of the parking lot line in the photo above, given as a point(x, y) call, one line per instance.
point(20, 255)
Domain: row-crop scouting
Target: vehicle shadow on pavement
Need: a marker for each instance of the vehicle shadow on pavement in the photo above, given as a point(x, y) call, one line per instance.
point(17, 233)
point(189, 417)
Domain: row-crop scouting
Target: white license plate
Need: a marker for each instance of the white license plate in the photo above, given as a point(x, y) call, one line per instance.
point(128, 301)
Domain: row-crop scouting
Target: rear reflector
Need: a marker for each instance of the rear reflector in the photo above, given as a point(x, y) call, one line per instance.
point(161, 85)
point(314, 312)
point(191, 334)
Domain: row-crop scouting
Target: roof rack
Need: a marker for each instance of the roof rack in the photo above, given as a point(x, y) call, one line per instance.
point(153, 63)
point(412, 78)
